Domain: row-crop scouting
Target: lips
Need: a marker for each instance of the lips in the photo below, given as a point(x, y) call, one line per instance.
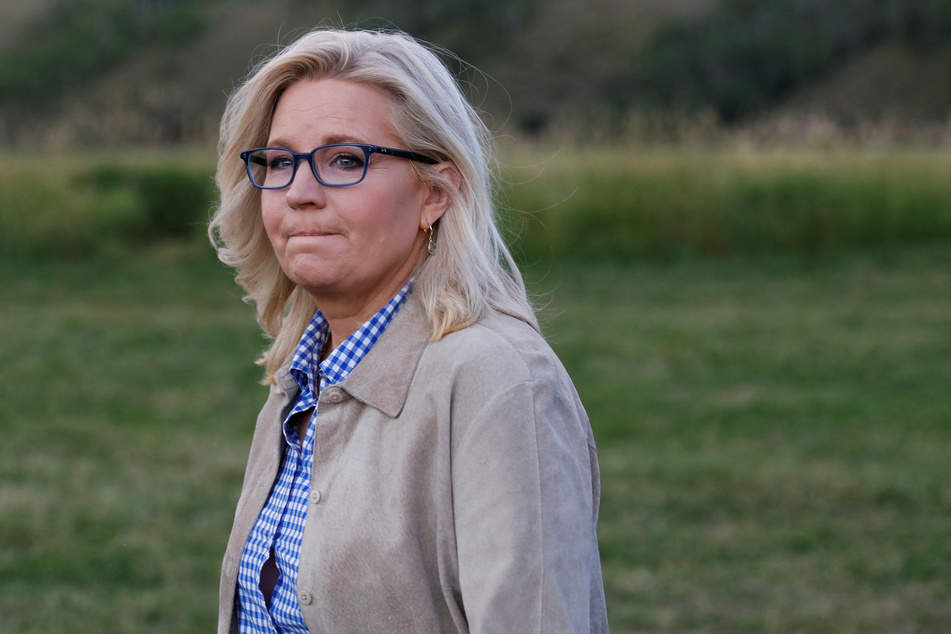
point(311, 234)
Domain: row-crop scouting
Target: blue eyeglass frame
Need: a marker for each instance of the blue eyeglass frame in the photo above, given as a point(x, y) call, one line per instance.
point(368, 150)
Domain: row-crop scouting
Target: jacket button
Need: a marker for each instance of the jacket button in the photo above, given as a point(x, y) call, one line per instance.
point(305, 598)
point(335, 396)
point(315, 496)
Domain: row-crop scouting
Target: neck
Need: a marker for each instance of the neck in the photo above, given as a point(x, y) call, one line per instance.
point(345, 315)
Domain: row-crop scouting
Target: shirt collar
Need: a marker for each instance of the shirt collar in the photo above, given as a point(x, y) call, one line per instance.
point(303, 364)
point(345, 357)
point(383, 381)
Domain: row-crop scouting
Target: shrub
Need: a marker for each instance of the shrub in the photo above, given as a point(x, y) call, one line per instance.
point(73, 210)
point(75, 41)
point(171, 201)
point(621, 205)
point(749, 55)
point(590, 203)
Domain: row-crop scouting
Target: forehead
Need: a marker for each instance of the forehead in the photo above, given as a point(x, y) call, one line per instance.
point(316, 112)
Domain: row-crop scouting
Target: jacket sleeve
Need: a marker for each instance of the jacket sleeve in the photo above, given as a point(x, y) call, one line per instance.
point(525, 504)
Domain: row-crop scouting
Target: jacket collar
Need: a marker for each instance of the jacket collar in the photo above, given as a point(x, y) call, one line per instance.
point(382, 379)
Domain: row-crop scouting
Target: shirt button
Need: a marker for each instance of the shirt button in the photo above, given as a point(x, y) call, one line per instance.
point(315, 496)
point(305, 598)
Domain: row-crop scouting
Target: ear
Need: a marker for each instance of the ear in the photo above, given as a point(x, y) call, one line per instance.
point(438, 199)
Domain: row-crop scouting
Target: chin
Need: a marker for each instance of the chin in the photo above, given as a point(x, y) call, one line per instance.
point(309, 274)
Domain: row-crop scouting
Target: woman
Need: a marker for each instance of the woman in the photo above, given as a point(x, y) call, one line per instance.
point(423, 462)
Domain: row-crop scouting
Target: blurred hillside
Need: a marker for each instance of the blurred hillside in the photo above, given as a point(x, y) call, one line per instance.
point(123, 72)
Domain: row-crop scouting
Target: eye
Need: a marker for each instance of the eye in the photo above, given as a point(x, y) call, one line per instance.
point(346, 161)
point(280, 161)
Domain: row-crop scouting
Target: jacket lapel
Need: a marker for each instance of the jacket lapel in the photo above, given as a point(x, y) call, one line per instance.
point(382, 379)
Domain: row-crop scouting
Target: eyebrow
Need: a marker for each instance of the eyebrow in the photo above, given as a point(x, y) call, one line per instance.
point(336, 138)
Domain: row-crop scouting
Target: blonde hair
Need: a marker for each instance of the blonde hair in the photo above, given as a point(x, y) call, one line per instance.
point(472, 269)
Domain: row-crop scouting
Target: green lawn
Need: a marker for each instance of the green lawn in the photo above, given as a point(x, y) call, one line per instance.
point(775, 439)
point(773, 431)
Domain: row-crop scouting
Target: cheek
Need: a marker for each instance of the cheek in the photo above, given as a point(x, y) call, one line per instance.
point(397, 214)
point(394, 231)
point(271, 218)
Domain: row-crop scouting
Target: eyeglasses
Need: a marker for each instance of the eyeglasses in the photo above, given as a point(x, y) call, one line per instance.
point(335, 165)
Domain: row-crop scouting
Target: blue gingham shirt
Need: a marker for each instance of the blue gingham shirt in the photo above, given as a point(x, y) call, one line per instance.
point(280, 526)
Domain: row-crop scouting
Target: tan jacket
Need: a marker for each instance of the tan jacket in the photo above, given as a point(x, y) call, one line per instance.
point(455, 489)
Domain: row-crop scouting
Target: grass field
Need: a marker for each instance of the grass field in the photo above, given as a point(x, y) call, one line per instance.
point(773, 433)
point(775, 439)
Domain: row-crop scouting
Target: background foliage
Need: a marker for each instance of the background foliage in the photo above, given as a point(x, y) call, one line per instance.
point(111, 72)
point(599, 203)
point(751, 55)
point(76, 41)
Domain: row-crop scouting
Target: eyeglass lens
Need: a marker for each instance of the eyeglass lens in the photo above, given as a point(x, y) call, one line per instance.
point(335, 165)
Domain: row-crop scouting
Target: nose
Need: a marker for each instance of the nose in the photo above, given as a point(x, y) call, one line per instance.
point(305, 189)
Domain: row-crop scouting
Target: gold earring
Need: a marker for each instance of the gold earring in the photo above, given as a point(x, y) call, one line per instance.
point(432, 240)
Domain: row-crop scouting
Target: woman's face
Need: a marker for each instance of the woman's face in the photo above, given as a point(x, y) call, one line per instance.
point(354, 245)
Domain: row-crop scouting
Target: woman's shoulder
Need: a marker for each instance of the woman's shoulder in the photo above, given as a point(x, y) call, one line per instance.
point(500, 343)
point(502, 369)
